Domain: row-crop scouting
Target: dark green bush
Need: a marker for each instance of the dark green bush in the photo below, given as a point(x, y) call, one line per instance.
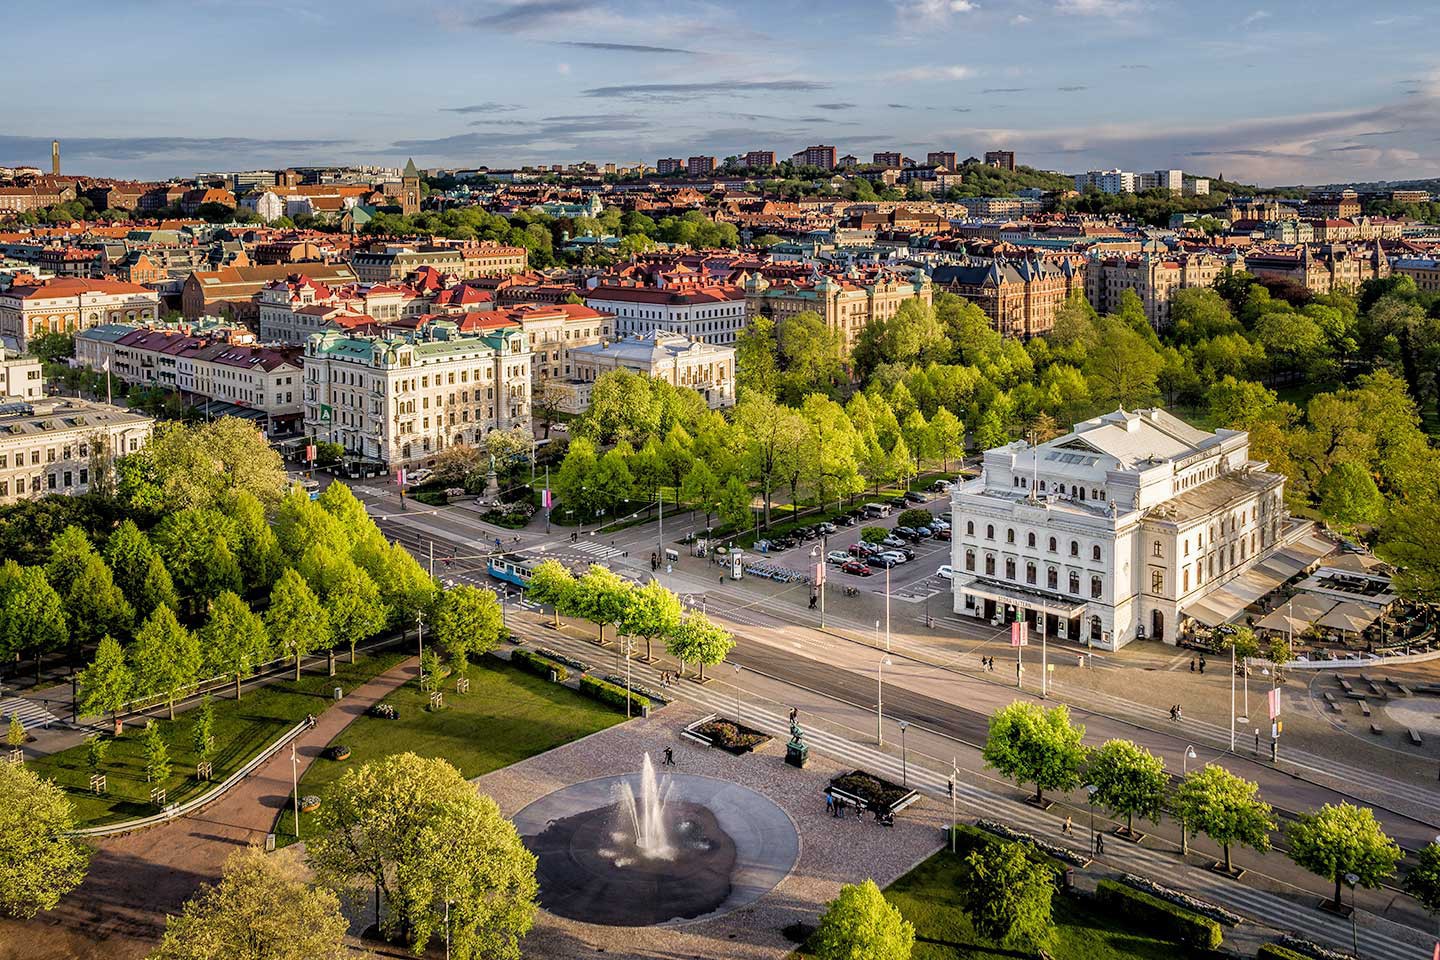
point(1158, 916)
point(613, 695)
point(538, 665)
point(1273, 951)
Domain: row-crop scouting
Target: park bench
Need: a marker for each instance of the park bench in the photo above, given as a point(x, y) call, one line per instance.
point(1379, 692)
point(1364, 709)
point(1357, 695)
point(1336, 706)
point(1344, 684)
point(1375, 729)
point(1404, 690)
point(1366, 678)
point(1415, 737)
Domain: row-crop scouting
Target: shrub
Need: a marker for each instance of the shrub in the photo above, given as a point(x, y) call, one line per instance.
point(576, 665)
point(538, 665)
point(1165, 919)
point(1273, 951)
point(968, 838)
point(611, 694)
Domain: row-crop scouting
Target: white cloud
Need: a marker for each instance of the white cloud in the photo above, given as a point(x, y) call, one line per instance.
point(1019, 19)
point(1255, 17)
point(931, 12)
point(927, 73)
point(1098, 8)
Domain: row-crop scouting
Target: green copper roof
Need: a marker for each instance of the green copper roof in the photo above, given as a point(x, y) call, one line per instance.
point(410, 170)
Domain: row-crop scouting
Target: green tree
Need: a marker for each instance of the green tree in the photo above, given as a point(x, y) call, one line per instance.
point(353, 605)
point(32, 616)
point(699, 641)
point(1128, 779)
point(129, 552)
point(195, 544)
point(947, 437)
point(468, 623)
point(296, 620)
point(234, 638)
point(165, 657)
point(990, 431)
point(701, 488)
point(551, 583)
point(756, 370)
point(652, 613)
point(419, 834)
point(15, 735)
point(96, 606)
point(156, 589)
point(1125, 370)
point(39, 861)
point(860, 924)
point(1029, 744)
point(1336, 841)
point(256, 547)
point(1349, 497)
point(96, 749)
point(262, 909)
point(107, 683)
point(157, 755)
point(610, 483)
point(812, 355)
point(1008, 896)
point(1225, 808)
point(69, 554)
point(736, 504)
point(202, 731)
point(601, 596)
point(1407, 540)
point(1423, 880)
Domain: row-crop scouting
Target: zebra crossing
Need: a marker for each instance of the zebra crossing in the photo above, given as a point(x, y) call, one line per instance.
point(600, 551)
point(1378, 938)
point(32, 715)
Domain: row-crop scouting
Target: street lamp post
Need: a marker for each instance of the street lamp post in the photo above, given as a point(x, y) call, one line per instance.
point(420, 644)
point(1232, 698)
point(1090, 791)
point(954, 793)
point(887, 609)
point(880, 701)
point(295, 786)
point(1352, 879)
point(1185, 759)
point(737, 691)
point(904, 756)
point(626, 642)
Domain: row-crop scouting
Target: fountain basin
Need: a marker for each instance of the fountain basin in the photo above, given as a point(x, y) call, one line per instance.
point(729, 847)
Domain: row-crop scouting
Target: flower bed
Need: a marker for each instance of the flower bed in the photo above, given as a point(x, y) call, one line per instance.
point(577, 665)
point(876, 792)
point(730, 736)
point(1202, 907)
point(1064, 854)
point(1310, 949)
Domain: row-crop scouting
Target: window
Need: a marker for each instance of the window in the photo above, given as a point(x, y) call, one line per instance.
point(1030, 573)
point(970, 560)
point(1157, 581)
point(1074, 582)
point(989, 565)
point(1074, 548)
point(1095, 553)
point(1095, 588)
point(1185, 579)
point(1052, 578)
point(1030, 540)
point(969, 528)
point(1052, 544)
point(989, 531)
point(1009, 534)
point(1009, 568)
point(1155, 550)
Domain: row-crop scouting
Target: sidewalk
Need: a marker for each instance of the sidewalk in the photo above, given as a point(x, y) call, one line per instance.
point(135, 879)
point(1276, 892)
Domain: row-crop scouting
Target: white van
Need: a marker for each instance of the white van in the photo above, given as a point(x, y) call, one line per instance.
point(875, 511)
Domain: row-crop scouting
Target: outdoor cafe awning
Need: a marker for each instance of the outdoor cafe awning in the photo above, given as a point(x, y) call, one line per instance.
point(1026, 599)
point(1281, 622)
point(1348, 617)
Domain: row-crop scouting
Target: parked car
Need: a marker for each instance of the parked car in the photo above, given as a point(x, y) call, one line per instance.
point(939, 523)
point(945, 572)
point(924, 533)
point(940, 486)
point(416, 477)
point(904, 551)
point(848, 520)
point(825, 529)
point(915, 496)
point(906, 532)
point(892, 541)
point(860, 550)
point(882, 560)
point(899, 503)
point(943, 533)
point(837, 556)
point(857, 567)
point(895, 557)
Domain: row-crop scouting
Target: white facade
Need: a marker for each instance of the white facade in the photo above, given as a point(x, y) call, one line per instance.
point(21, 377)
point(46, 447)
point(706, 368)
point(711, 314)
point(401, 400)
point(266, 205)
point(1113, 531)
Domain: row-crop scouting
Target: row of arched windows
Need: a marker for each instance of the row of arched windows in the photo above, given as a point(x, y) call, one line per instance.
point(1030, 540)
point(1052, 574)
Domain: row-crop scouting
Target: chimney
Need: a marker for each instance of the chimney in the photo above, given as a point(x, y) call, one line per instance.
point(55, 158)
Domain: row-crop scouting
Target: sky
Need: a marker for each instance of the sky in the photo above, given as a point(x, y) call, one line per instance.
point(1264, 91)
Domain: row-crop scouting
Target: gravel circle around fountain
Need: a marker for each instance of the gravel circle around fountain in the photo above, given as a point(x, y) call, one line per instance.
point(732, 845)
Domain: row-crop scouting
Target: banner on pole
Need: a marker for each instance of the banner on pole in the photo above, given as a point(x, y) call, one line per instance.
point(820, 573)
point(310, 452)
point(1274, 700)
point(547, 498)
point(1018, 633)
point(400, 476)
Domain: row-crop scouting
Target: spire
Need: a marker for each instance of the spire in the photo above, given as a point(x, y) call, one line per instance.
point(410, 171)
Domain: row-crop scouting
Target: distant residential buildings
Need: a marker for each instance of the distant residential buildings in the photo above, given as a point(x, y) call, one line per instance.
point(55, 446)
point(232, 290)
point(847, 303)
point(701, 166)
point(761, 159)
point(1125, 181)
point(668, 165)
point(69, 305)
point(21, 377)
point(1331, 205)
point(1425, 271)
point(706, 368)
point(1021, 297)
point(1322, 270)
point(941, 158)
point(888, 158)
point(710, 313)
point(1004, 159)
point(821, 156)
point(1152, 278)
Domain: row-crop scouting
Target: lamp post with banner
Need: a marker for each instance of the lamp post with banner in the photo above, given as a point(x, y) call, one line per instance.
point(820, 585)
point(1018, 640)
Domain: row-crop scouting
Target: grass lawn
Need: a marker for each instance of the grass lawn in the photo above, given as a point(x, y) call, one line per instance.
point(508, 715)
point(242, 729)
point(943, 932)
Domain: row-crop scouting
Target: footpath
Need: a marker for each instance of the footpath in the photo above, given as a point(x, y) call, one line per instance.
point(137, 878)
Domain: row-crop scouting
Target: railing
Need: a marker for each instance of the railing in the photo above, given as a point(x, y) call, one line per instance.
point(176, 810)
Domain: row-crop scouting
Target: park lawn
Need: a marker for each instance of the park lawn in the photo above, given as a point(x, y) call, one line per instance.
point(508, 715)
point(942, 931)
point(242, 729)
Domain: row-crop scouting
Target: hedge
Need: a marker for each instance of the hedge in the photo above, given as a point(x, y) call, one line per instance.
point(538, 665)
point(1273, 951)
point(969, 838)
point(611, 694)
point(1159, 917)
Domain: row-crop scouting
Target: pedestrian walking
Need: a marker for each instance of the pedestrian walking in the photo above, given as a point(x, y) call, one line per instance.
point(1202, 664)
point(829, 803)
point(1066, 828)
point(722, 579)
point(1192, 664)
point(669, 757)
point(1172, 711)
point(1179, 712)
point(1099, 843)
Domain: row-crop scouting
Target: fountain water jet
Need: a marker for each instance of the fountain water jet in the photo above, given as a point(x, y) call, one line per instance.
point(646, 813)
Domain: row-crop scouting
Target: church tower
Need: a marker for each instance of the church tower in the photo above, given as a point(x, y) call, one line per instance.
point(410, 189)
point(54, 158)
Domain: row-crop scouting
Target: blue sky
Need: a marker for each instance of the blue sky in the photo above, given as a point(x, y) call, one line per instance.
point(1270, 91)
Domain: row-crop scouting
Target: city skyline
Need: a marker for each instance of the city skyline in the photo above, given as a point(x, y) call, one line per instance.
point(1243, 88)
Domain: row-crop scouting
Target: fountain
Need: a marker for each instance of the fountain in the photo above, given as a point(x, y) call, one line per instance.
point(640, 849)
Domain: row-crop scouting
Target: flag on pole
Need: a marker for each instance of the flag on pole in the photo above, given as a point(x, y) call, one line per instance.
point(400, 476)
point(546, 500)
point(1017, 634)
point(1274, 700)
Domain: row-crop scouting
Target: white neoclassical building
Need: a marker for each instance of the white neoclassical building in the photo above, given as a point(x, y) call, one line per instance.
point(1115, 531)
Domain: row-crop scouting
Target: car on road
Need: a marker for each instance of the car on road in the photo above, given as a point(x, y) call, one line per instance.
point(945, 572)
point(882, 560)
point(837, 556)
point(895, 556)
point(915, 496)
point(856, 567)
point(825, 529)
point(892, 541)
